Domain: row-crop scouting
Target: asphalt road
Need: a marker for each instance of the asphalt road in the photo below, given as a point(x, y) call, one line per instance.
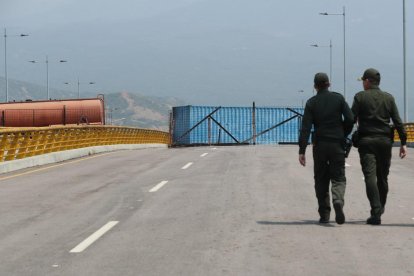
point(198, 211)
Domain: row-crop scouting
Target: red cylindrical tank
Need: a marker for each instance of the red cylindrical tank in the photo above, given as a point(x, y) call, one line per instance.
point(57, 112)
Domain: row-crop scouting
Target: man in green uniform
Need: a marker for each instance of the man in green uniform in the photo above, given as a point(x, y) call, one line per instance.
point(373, 110)
point(332, 120)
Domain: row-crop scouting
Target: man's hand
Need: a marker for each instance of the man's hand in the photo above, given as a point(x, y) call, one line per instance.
point(302, 159)
point(403, 151)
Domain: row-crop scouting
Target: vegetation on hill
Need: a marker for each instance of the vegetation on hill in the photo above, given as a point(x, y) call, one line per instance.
point(137, 110)
point(124, 108)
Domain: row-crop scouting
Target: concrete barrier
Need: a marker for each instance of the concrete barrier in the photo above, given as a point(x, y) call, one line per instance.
point(55, 157)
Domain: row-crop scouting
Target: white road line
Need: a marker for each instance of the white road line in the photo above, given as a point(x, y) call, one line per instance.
point(187, 166)
point(158, 186)
point(347, 165)
point(92, 238)
point(214, 148)
point(204, 154)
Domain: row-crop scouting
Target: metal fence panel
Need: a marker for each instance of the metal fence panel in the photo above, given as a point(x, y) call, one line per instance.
point(237, 121)
point(286, 133)
point(181, 123)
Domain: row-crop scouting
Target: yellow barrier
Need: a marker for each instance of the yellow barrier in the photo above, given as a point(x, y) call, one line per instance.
point(410, 133)
point(18, 143)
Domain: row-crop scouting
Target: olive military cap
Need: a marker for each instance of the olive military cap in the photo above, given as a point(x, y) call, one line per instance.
point(321, 78)
point(371, 74)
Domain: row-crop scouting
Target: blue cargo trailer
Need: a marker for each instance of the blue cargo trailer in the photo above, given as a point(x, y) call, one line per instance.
point(207, 125)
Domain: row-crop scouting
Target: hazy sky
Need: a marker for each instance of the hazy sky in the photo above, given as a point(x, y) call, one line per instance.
point(215, 52)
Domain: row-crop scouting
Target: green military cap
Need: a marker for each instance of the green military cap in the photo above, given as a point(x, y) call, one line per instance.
point(371, 74)
point(321, 78)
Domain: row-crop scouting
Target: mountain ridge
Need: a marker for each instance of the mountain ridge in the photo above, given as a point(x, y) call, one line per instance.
point(122, 108)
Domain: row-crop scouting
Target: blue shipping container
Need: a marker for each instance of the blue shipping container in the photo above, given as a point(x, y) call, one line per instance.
point(194, 125)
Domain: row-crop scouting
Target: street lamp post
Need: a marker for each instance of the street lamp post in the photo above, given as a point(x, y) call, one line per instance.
point(47, 72)
point(301, 91)
point(5, 61)
point(79, 83)
point(343, 15)
point(330, 55)
point(109, 114)
point(404, 68)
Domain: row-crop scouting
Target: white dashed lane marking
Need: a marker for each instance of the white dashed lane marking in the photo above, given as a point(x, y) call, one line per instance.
point(95, 236)
point(347, 165)
point(204, 154)
point(158, 186)
point(187, 166)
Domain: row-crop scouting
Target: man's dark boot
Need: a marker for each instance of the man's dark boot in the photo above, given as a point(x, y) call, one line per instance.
point(324, 219)
point(339, 213)
point(374, 220)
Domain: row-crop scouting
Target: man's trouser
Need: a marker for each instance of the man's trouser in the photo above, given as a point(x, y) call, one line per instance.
point(329, 165)
point(375, 157)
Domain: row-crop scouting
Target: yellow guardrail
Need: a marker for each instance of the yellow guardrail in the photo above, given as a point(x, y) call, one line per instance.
point(410, 133)
point(18, 143)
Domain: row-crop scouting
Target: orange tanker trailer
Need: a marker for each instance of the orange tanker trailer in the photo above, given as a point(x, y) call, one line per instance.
point(57, 112)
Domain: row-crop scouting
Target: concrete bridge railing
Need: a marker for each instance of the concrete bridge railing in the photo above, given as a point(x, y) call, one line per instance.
point(19, 143)
point(409, 127)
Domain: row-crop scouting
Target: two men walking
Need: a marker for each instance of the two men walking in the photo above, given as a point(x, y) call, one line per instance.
point(332, 121)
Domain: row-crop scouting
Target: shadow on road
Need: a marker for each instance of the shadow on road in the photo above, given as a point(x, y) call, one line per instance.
point(363, 222)
point(331, 224)
point(301, 222)
point(396, 225)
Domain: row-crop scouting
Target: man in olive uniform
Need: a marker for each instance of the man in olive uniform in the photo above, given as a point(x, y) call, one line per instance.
point(373, 110)
point(332, 120)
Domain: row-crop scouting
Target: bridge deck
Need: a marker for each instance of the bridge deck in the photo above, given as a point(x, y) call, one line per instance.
point(211, 211)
